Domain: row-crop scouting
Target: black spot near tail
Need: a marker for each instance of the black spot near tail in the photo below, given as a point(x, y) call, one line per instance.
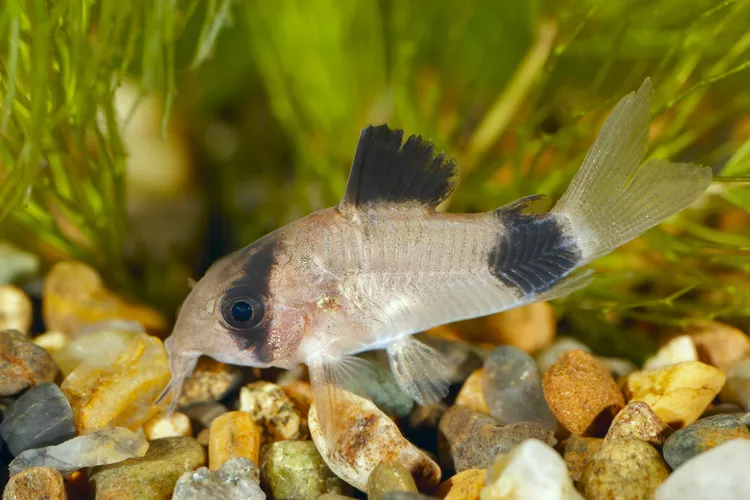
point(533, 252)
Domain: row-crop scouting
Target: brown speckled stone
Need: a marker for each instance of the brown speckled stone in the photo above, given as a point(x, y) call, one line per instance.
point(637, 420)
point(210, 381)
point(577, 452)
point(22, 364)
point(36, 482)
point(623, 469)
point(718, 344)
point(471, 440)
point(582, 394)
point(273, 411)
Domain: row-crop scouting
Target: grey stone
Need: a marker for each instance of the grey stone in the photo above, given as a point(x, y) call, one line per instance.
point(471, 440)
point(102, 447)
point(701, 436)
point(42, 416)
point(236, 479)
point(512, 388)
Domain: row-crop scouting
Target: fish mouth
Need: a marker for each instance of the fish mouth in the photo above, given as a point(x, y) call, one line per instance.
point(181, 365)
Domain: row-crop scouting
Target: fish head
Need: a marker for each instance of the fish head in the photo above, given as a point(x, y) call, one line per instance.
point(237, 313)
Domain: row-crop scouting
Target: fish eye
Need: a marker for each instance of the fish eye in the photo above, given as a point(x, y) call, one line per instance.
point(242, 312)
point(240, 309)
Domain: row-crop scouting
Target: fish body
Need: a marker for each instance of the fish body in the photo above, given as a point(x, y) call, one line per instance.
point(385, 264)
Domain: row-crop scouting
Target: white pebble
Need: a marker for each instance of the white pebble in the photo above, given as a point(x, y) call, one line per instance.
point(720, 472)
point(531, 471)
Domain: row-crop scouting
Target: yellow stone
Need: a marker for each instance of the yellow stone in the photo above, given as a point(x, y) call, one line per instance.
point(678, 394)
point(465, 485)
point(233, 435)
point(529, 328)
point(52, 342)
point(75, 297)
point(162, 426)
point(471, 395)
point(119, 383)
point(15, 309)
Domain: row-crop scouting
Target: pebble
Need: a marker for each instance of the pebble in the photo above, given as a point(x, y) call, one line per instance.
point(370, 438)
point(381, 387)
point(300, 391)
point(22, 364)
point(204, 413)
point(41, 417)
point(75, 297)
point(102, 348)
point(52, 342)
point(387, 477)
point(277, 417)
point(582, 394)
point(211, 381)
point(15, 309)
point(103, 447)
point(295, 470)
point(471, 394)
point(577, 452)
point(618, 367)
point(16, 264)
point(465, 485)
point(528, 328)
point(677, 350)
point(38, 483)
point(531, 470)
point(702, 435)
point(677, 394)
point(737, 386)
point(405, 495)
point(161, 426)
point(719, 344)
point(471, 440)
point(233, 435)
point(152, 476)
point(719, 473)
point(550, 355)
point(236, 479)
point(637, 421)
point(624, 469)
point(513, 388)
point(106, 392)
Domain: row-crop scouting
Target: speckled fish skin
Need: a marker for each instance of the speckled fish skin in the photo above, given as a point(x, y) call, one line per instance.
point(384, 264)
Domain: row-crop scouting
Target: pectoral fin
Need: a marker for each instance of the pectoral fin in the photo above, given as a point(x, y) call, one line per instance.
point(420, 370)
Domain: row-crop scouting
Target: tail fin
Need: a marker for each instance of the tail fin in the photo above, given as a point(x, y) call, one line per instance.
point(611, 200)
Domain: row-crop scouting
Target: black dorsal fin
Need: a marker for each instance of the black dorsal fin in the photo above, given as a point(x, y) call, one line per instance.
point(384, 170)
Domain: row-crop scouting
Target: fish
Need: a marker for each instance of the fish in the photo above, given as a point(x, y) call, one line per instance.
point(385, 263)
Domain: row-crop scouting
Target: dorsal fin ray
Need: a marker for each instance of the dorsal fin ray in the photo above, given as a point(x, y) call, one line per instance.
point(385, 170)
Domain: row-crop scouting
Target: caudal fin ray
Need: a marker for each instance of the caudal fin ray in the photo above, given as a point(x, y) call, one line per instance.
point(614, 197)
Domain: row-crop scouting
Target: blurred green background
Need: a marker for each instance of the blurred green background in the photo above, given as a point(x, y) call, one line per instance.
point(149, 138)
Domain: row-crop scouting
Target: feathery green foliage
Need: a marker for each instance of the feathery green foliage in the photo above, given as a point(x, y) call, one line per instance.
point(516, 90)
